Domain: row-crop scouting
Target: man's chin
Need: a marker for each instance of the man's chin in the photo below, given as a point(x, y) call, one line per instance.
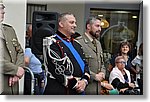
point(72, 33)
point(97, 36)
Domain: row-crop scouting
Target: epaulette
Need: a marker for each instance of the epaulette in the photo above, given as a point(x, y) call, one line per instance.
point(78, 38)
point(77, 41)
point(76, 35)
point(7, 25)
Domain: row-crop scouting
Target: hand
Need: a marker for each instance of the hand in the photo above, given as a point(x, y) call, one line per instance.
point(107, 85)
point(72, 82)
point(139, 71)
point(80, 86)
point(100, 76)
point(122, 90)
point(13, 80)
point(132, 85)
point(20, 72)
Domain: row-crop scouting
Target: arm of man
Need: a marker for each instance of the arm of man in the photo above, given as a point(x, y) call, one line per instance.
point(13, 67)
point(98, 77)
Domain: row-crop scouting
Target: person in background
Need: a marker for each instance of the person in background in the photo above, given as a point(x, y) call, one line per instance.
point(32, 62)
point(29, 35)
point(13, 57)
point(138, 63)
point(120, 77)
point(94, 55)
point(68, 72)
point(124, 51)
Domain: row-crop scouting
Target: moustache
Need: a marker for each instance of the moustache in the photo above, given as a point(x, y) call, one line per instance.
point(98, 31)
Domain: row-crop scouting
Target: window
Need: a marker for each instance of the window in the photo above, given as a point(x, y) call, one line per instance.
point(122, 25)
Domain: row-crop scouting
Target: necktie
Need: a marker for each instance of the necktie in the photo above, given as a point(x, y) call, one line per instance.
point(94, 42)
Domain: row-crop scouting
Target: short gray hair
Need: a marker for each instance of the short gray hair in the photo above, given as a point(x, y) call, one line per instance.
point(91, 20)
point(118, 58)
point(62, 16)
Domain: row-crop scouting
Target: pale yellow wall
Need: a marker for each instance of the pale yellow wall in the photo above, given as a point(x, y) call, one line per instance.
point(16, 15)
point(76, 7)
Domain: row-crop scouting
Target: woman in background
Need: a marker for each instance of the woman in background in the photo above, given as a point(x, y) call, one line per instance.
point(124, 51)
point(120, 77)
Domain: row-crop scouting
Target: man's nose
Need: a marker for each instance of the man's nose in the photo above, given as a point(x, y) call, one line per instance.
point(100, 28)
point(75, 25)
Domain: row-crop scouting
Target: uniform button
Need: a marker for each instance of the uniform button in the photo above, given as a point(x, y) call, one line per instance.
point(13, 43)
point(9, 51)
point(14, 39)
point(6, 43)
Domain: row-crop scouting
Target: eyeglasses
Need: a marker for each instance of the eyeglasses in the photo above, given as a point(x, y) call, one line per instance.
point(122, 62)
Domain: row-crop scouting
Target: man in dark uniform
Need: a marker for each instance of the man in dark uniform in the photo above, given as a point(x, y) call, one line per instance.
point(12, 59)
point(68, 72)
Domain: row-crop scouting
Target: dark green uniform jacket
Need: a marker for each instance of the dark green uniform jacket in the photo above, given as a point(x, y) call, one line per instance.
point(13, 58)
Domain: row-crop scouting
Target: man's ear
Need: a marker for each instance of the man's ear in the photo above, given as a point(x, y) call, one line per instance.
point(88, 26)
point(60, 24)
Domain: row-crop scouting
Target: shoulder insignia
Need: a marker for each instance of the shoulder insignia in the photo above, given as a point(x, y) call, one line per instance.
point(76, 35)
point(82, 38)
point(85, 40)
point(78, 38)
point(77, 41)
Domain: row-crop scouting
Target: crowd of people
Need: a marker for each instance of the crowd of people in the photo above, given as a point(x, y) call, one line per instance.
point(74, 64)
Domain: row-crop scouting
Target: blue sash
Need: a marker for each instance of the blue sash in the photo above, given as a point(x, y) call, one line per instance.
point(74, 52)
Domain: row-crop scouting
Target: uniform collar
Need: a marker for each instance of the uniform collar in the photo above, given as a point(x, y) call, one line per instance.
point(64, 37)
point(89, 37)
